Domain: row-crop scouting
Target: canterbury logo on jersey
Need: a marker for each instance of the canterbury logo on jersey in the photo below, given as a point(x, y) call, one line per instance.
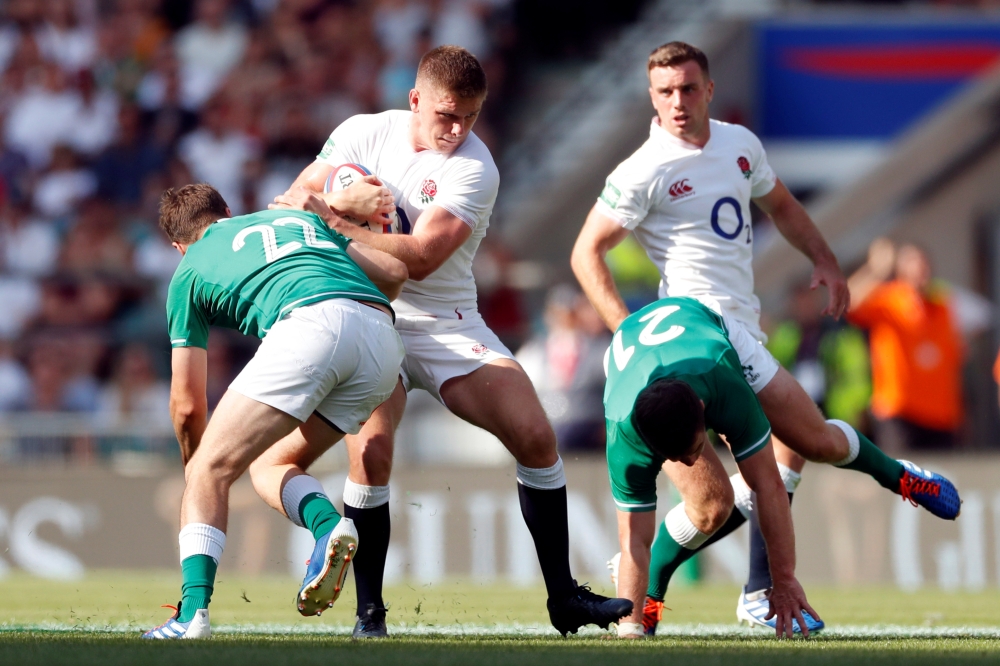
point(680, 189)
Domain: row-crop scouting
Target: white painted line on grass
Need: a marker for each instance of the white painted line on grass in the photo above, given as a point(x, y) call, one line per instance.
point(526, 630)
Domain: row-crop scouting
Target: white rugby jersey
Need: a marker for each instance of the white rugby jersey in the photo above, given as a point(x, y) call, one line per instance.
point(464, 183)
point(689, 208)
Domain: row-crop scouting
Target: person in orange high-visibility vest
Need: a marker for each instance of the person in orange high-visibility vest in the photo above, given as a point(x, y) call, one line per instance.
point(916, 349)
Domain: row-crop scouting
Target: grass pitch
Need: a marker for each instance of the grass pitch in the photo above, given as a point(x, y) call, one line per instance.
point(97, 621)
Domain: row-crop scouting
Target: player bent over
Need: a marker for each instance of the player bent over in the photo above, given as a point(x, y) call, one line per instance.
point(328, 358)
point(686, 194)
point(672, 373)
point(761, 375)
point(445, 183)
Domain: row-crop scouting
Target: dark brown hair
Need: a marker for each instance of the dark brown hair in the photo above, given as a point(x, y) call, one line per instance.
point(668, 415)
point(672, 54)
point(453, 69)
point(186, 212)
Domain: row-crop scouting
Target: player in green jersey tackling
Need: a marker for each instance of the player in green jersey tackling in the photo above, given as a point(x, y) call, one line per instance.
point(672, 374)
point(329, 356)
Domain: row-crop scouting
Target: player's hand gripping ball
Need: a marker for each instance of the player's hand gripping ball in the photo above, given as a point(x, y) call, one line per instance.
point(346, 175)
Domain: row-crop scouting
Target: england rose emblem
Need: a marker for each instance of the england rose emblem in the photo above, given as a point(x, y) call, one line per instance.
point(744, 165)
point(427, 191)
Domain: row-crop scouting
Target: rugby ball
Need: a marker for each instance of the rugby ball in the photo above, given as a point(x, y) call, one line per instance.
point(346, 175)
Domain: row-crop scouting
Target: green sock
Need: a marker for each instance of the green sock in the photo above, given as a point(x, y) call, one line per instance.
point(199, 582)
point(318, 514)
point(667, 555)
point(876, 464)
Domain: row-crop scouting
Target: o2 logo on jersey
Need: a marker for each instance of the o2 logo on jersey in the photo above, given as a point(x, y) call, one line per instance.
point(428, 191)
point(717, 228)
point(680, 189)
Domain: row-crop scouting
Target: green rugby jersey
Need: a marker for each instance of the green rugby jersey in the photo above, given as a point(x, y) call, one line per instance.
point(677, 338)
point(247, 272)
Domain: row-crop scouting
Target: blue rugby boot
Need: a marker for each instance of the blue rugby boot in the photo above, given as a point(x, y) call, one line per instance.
point(929, 490)
point(197, 627)
point(327, 568)
point(753, 607)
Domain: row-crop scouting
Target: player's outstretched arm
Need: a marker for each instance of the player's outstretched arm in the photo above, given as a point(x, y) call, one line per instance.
point(188, 397)
point(599, 234)
point(787, 598)
point(797, 227)
point(635, 538)
point(387, 272)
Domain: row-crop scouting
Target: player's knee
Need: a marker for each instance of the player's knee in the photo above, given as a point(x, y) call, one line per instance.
point(709, 516)
point(718, 515)
point(206, 472)
point(218, 466)
point(536, 444)
point(537, 434)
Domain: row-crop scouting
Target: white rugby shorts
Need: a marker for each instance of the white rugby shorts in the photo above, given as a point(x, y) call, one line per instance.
point(437, 351)
point(338, 359)
point(759, 366)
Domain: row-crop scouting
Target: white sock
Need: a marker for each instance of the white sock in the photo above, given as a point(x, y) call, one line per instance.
point(742, 494)
point(789, 477)
point(544, 478)
point(631, 630)
point(201, 539)
point(853, 443)
point(682, 530)
point(295, 491)
point(364, 497)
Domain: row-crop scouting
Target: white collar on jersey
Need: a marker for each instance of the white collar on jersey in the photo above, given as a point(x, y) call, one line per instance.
point(657, 133)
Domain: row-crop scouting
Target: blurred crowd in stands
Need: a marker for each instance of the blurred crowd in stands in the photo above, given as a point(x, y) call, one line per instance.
point(105, 103)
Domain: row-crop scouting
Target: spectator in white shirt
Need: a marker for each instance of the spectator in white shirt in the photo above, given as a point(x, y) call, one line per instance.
point(398, 24)
point(462, 23)
point(207, 50)
point(14, 380)
point(96, 119)
point(65, 39)
point(42, 116)
point(65, 184)
point(29, 246)
point(217, 153)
